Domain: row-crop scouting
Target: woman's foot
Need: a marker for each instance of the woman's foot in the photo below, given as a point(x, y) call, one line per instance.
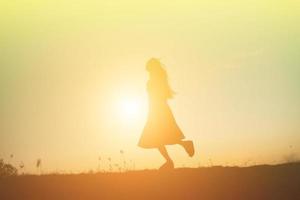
point(167, 166)
point(188, 147)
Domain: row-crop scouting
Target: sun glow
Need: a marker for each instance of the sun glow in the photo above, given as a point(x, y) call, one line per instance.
point(129, 109)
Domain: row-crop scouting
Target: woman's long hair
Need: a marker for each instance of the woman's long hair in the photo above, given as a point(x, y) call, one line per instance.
point(159, 78)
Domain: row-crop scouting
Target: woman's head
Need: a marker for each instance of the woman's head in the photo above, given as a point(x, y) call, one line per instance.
point(159, 77)
point(153, 64)
point(155, 69)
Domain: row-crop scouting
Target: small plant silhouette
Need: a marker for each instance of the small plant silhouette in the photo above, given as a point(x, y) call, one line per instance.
point(21, 165)
point(110, 164)
point(123, 160)
point(39, 165)
point(7, 169)
point(99, 163)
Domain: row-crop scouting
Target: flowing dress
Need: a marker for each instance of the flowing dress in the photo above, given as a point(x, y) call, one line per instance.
point(161, 127)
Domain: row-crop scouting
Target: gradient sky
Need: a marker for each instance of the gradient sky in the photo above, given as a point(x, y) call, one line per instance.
point(67, 65)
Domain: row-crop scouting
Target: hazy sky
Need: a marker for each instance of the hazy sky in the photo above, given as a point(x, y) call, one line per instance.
point(66, 67)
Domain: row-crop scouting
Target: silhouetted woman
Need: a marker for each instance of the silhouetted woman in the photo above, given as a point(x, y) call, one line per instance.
point(161, 128)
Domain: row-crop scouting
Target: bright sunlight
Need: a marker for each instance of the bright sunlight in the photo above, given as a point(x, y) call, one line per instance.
point(129, 109)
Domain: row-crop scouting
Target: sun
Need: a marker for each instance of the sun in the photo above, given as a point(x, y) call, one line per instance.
point(129, 109)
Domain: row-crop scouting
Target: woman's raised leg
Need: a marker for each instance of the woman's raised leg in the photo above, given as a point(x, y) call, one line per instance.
point(188, 147)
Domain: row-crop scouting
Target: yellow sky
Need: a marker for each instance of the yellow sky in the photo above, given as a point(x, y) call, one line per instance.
point(66, 66)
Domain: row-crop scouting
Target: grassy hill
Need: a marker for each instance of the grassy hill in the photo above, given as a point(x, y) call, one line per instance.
point(227, 183)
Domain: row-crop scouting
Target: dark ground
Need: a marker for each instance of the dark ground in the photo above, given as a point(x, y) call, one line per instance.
point(262, 182)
